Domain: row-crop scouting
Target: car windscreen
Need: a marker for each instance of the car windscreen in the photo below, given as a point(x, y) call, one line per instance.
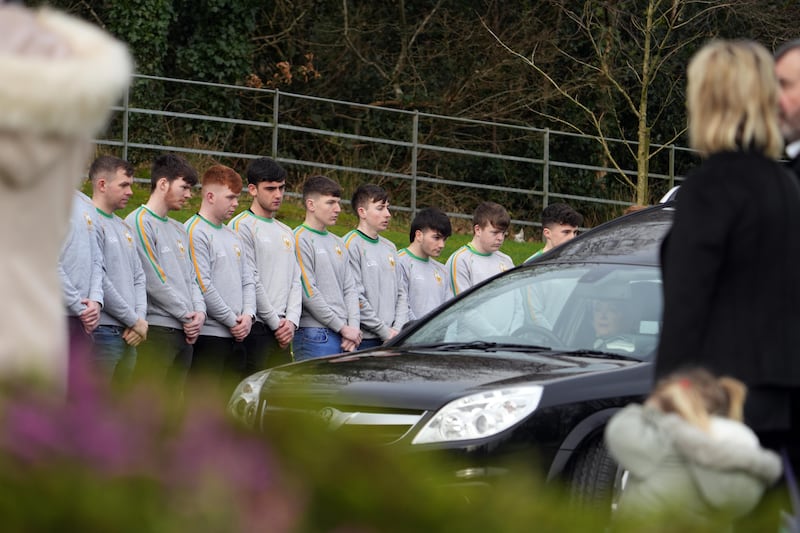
point(584, 308)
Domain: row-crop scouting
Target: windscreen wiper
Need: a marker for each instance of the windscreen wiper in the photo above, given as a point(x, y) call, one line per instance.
point(477, 345)
point(602, 355)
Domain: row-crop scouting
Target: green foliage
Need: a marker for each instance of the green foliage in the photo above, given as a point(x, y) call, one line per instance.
point(214, 40)
point(132, 460)
point(139, 460)
point(145, 26)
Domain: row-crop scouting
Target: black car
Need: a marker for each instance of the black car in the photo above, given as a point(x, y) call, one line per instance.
point(529, 365)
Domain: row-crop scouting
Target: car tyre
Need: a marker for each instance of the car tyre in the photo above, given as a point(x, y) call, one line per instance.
point(595, 479)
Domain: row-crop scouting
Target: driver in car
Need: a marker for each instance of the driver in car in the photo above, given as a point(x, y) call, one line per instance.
point(613, 325)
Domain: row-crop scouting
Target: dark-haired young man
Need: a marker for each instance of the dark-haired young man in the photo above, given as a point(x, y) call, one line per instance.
point(560, 224)
point(382, 298)
point(329, 322)
point(175, 306)
point(425, 278)
point(270, 252)
point(545, 300)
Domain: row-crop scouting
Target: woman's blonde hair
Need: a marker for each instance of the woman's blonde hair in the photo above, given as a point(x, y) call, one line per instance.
point(696, 394)
point(732, 99)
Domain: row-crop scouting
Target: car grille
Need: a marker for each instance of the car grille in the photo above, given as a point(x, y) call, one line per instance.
point(382, 427)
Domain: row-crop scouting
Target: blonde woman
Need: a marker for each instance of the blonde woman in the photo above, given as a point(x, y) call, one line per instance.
point(731, 262)
point(688, 455)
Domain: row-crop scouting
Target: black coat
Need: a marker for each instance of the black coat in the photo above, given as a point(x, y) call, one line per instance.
point(731, 267)
point(794, 164)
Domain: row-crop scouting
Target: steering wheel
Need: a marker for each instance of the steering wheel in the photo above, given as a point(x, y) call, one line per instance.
point(537, 335)
point(619, 343)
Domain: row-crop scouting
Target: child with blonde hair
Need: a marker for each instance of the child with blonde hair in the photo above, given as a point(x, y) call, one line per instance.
point(687, 452)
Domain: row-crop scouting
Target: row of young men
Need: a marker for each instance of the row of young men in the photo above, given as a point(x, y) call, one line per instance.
point(231, 298)
point(391, 287)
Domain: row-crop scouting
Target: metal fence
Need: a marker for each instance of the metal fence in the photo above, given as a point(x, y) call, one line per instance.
point(404, 154)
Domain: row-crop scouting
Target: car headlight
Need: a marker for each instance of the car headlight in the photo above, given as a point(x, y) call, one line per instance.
point(244, 401)
point(480, 415)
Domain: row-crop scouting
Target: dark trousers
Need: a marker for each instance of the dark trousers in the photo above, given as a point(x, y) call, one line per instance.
point(366, 344)
point(79, 365)
point(218, 360)
point(774, 415)
point(263, 350)
point(165, 356)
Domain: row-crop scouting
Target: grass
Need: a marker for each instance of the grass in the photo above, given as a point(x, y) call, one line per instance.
point(292, 214)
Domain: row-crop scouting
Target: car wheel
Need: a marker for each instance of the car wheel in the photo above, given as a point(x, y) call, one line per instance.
point(595, 480)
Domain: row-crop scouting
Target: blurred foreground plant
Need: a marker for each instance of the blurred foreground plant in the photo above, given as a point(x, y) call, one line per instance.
point(134, 461)
point(137, 460)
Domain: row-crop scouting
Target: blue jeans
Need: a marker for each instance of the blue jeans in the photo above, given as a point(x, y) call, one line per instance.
point(310, 343)
point(114, 357)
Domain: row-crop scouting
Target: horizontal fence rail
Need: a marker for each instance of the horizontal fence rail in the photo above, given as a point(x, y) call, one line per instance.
point(410, 160)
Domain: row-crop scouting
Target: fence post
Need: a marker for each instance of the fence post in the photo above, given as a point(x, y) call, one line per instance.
point(671, 166)
point(275, 114)
point(125, 105)
point(414, 147)
point(546, 169)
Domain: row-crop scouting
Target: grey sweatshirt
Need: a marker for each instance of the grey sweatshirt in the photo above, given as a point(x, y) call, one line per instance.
point(124, 285)
point(80, 264)
point(382, 294)
point(270, 252)
point(172, 290)
point(330, 298)
point(226, 284)
point(467, 267)
point(425, 281)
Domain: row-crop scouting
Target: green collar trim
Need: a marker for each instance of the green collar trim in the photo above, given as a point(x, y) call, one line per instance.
point(476, 252)
point(204, 219)
point(265, 219)
point(318, 232)
point(159, 217)
point(409, 252)
point(367, 237)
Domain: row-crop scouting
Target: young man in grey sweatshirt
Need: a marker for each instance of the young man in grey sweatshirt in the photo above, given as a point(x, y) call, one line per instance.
point(175, 305)
point(481, 258)
point(224, 279)
point(424, 276)
point(383, 297)
point(269, 249)
point(80, 269)
point(329, 323)
point(123, 324)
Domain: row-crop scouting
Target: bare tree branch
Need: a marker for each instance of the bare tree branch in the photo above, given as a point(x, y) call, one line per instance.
point(627, 46)
point(271, 40)
point(592, 116)
point(353, 48)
